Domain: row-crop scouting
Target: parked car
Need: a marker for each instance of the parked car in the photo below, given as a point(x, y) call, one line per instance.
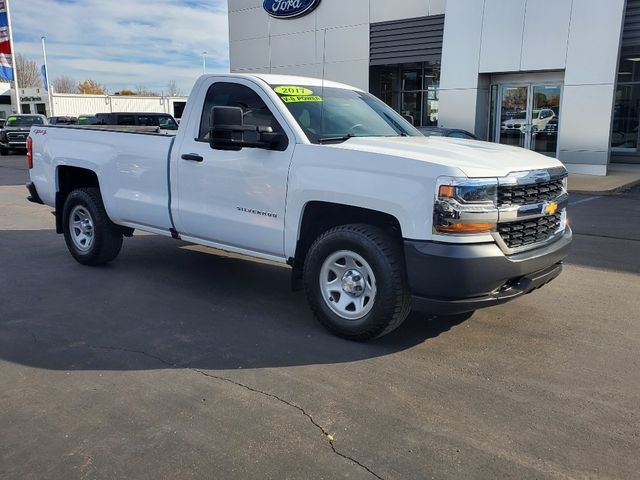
point(446, 132)
point(540, 119)
point(63, 120)
point(88, 120)
point(373, 218)
point(16, 130)
point(164, 121)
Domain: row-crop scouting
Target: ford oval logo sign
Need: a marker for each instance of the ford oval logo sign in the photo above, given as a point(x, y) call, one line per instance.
point(289, 8)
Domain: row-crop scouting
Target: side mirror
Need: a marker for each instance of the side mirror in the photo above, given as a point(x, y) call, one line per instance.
point(227, 128)
point(228, 132)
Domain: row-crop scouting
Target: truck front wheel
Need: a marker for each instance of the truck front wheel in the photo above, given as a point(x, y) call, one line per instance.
point(356, 283)
point(90, 235)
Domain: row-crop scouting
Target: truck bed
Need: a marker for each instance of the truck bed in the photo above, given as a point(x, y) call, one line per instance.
point(131, 166)
point(122, 128)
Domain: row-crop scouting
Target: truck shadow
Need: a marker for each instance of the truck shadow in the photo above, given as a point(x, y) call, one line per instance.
point(163, 305)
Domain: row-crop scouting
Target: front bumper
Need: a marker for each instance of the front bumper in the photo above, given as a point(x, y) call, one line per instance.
point(14, 144)
point(456, 278)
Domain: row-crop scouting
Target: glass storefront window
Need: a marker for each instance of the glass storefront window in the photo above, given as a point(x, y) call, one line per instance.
point(526, 116)
point(387, 82)
point(411, 89)
point(626, 109)
point(412, 107)
point(545, 118)
point(626, 114)
point(412, 77)
point(430, 116)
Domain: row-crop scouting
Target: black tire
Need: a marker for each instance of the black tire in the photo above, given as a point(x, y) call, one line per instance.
point(4, 152)
point(107, 237)
point(392, 300)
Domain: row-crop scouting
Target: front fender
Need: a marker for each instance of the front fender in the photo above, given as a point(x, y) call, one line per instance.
point(400, 187)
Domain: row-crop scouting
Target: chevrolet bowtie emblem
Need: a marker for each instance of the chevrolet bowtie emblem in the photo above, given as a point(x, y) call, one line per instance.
point(550, 208)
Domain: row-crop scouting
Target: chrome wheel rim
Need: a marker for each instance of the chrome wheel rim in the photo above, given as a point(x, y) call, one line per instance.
point(348, 285)
point(81, 228)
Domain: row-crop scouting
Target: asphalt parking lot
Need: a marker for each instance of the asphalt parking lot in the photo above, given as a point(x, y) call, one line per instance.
point(174, 362)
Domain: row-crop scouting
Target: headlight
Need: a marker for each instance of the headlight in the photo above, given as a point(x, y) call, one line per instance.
point(465, 206)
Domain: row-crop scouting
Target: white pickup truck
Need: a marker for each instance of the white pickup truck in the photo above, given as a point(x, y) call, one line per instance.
point(374, 218)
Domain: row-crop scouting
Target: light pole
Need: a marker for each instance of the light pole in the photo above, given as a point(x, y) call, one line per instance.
point(204, 62)
point(46, 75)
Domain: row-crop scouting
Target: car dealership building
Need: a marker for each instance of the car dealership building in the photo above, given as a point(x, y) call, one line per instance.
point(556, 76)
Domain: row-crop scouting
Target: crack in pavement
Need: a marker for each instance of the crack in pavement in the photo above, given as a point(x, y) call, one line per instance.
point(611, 237)
point(322, 429)
point(326, 434)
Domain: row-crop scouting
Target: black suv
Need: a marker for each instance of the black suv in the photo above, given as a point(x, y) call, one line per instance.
point(16, 130)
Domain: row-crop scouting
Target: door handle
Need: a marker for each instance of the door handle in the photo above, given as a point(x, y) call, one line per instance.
point(192, 157)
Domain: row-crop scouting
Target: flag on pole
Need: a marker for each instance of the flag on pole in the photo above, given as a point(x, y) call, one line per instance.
point(45, 82)
point(6, 51)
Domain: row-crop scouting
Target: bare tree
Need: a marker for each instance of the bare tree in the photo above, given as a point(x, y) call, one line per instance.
point(173, 90)
point(144, 91)
point(92, 87)
point(64, 84)
point(28, 72)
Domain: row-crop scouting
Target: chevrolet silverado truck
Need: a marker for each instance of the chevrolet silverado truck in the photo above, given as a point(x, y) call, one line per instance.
point(373, 218)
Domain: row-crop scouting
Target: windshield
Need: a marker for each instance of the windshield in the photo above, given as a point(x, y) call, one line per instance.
point(167, 123)
point(88, 120)
point(431, 132)
point(336, 114)
point(25, 121)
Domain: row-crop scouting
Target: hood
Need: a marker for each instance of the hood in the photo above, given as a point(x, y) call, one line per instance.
point(17, 129)
point(474, 158)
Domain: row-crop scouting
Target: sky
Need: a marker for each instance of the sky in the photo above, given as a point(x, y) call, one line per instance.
point(124, 43)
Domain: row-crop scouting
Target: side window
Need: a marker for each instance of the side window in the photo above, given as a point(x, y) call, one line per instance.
point(147, 120)
point(222, 94)
point(126, 120)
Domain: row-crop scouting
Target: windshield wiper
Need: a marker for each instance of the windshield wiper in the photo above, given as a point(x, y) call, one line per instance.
point(335, 139)
point(401, 131)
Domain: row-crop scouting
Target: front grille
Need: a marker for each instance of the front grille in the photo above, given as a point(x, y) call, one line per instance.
point(15, 136)
point(529, 194)
point(528, 232)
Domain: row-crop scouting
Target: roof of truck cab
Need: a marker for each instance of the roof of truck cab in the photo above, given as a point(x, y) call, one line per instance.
point(294, 80)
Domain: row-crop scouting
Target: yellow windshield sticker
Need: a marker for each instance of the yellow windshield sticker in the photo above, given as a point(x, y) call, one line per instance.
point(12, 119)
point(293, 90)
point(301, 98)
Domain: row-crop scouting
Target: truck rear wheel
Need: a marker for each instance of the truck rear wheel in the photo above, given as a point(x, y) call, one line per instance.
point(355, 282)
point(91, 237)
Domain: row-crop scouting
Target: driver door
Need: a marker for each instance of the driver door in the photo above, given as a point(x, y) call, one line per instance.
point(233, 198)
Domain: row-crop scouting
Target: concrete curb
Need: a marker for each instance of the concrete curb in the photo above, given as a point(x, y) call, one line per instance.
point(612, 191)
